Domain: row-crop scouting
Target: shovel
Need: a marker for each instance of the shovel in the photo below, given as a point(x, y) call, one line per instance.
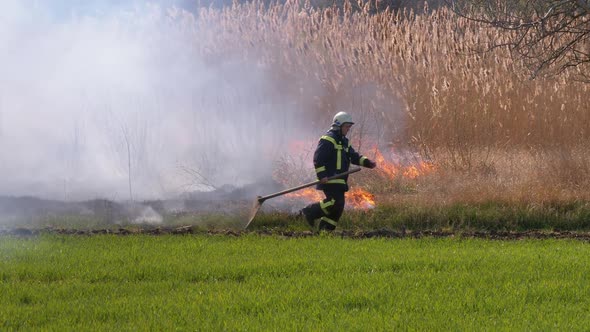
point(261, 199)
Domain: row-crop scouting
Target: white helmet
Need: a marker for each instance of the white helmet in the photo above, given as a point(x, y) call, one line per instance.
point(341, 118)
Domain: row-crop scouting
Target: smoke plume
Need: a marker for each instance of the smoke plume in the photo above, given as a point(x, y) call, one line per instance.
point(98, 100)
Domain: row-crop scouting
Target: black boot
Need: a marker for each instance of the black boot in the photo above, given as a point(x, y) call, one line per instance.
point(325, 226)
point(311, 213)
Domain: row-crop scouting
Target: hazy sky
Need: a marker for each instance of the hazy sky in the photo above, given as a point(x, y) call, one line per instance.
point(85, 84)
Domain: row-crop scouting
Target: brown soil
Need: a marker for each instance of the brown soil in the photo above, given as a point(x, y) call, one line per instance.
point(378, 233)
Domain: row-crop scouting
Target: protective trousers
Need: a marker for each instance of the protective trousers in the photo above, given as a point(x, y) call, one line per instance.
point(329, 210)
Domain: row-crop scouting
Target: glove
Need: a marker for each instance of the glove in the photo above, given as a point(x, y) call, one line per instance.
point(370, 164)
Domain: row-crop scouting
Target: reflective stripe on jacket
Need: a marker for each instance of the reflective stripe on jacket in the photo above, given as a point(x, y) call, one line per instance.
point(332, 156)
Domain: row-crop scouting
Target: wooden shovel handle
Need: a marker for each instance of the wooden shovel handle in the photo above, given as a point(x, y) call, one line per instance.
point(337, 176)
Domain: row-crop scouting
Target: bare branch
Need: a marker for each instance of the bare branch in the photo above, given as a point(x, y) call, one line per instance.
point(551, 37)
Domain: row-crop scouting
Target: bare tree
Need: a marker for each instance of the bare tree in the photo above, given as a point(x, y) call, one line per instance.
point(128, 140)
point(126, 135)
point(72, 151)
point(550, 36)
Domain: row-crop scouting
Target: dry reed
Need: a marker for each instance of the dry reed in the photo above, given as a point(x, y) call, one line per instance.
point(493, 133)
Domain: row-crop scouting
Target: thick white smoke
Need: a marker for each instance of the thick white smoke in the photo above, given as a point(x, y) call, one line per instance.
point(89, 96)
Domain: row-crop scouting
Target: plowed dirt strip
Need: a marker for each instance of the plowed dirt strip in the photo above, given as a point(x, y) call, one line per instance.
point(379, 233)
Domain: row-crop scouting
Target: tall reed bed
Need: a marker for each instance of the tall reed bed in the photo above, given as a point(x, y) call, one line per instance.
point(421, 82)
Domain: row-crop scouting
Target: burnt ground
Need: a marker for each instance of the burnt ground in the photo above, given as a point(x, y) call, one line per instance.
point(113, 218)
point(33, 209)
point(379, 233)
point(30, 211)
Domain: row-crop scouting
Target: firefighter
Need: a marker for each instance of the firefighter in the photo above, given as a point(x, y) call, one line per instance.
point(332, 156)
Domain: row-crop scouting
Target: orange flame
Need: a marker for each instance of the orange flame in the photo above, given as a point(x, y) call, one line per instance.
point(357, 198)
point(422, 168)
point(308, 195)
point(392, 170)
point(387, 168)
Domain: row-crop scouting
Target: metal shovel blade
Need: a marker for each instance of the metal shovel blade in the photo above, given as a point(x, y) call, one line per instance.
point(254, 211)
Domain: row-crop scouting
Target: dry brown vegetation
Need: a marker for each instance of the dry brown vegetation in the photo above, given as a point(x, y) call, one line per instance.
point(493, 133)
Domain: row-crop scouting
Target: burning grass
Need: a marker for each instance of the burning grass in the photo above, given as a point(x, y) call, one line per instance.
point(504, 196)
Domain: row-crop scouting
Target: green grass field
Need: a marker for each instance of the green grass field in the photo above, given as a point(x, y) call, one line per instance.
point(322, 282)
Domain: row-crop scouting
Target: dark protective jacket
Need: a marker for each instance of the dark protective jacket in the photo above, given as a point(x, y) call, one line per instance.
point(333, 156)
